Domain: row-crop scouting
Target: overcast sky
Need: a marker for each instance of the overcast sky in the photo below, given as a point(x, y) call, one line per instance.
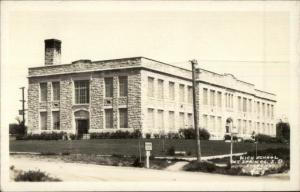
point(252, 45)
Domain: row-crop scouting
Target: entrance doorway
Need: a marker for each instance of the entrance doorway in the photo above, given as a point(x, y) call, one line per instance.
point(82, 126)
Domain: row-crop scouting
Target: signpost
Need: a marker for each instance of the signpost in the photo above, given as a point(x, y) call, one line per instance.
point(148, 149)
point(233, 131)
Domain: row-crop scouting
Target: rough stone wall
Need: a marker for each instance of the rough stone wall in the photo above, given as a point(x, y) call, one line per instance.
point(52, 56)
point(134, 101)
point(49, 105)
point(96, 103)
point(115, 101)
point(66, 96)
point(33, 105)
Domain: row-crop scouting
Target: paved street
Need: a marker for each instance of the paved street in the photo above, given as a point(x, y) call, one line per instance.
point(91, 172)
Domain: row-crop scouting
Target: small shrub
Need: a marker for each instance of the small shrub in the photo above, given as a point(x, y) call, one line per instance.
point(156, 135)
point(228, 137)
point(48, 153)
point(72, 136)
point(34, 176)
point(43, 136)
point(148, 135)
point(171, 151)
point(200, 166)
point(117, 135)
point(173, 135)
point(262, 138)
point(190, 133)
point(137, 163)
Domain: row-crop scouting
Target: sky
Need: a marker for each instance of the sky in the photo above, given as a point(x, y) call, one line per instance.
point(253, 45)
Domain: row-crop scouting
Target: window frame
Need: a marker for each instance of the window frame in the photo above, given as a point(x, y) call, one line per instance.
point(111, 91)
point(125, 117)
point(125, 84)
point(40, 120)
point(53, 123)
point(111, 119)
point(78, 98)
point(53, 92)
point(41, 92)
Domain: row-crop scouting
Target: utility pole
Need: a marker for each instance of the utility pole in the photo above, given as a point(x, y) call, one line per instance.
point(23, 109)
point(194, 62)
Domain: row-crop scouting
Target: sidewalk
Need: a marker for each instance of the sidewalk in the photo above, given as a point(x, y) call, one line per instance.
point(202, 158)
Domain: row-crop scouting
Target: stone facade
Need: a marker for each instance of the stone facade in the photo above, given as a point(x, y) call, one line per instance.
point(167, 114)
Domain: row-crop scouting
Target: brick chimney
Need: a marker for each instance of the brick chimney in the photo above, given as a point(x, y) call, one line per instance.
point(52, 52)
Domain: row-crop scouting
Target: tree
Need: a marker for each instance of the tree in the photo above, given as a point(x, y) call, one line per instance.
point(283, 130)
point(17, 128)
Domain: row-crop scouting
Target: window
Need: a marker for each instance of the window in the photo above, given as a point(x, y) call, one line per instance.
point(244, 126)
point(190, 120)
point(258, 108)
point(268, 129)
point(150, 119)
point(258, 127)
point(239, 126)
point(43, 120)
point(268, 110)
point(205, 101)
point(212, 98)
point(250, 128)
point(263, 109)
point(81, 92)
point(123, 116)
point(244, 104)
point(190, 94)
point(108, 87)
point(56, 91)
point(181, 120)
point(160, 120)
point(108, 118)
point(181, 93)
point(150, 87)
point(171, 90)
point(263, 128)
point(272, 112)
point(212, 124)
point(160, 89)
point(250, 105)
point(219, 125)
point(123, 86)
point(231, 103)
point(43, 91)
point(205, 122)
point(55, 120)
point(239, 103)
point(219, 100)
point(171, 120)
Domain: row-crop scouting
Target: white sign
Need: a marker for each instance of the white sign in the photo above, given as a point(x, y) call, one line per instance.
point(148, 146)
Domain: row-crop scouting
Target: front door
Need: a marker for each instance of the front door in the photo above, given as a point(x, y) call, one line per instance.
point(82, 127)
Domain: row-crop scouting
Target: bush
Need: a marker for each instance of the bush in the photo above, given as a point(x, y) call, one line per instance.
point(228, 137)
point(173, 136)
point(262, 138)
point(171, 151)
point(137, 163)
point(17, 129)
point(148, 135)
point(34, 176)
point(117, 135)
point(43, 136)
point(200, 166)
point(190, 133)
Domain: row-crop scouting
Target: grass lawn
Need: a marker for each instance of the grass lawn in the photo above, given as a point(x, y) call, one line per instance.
point(130, 146)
